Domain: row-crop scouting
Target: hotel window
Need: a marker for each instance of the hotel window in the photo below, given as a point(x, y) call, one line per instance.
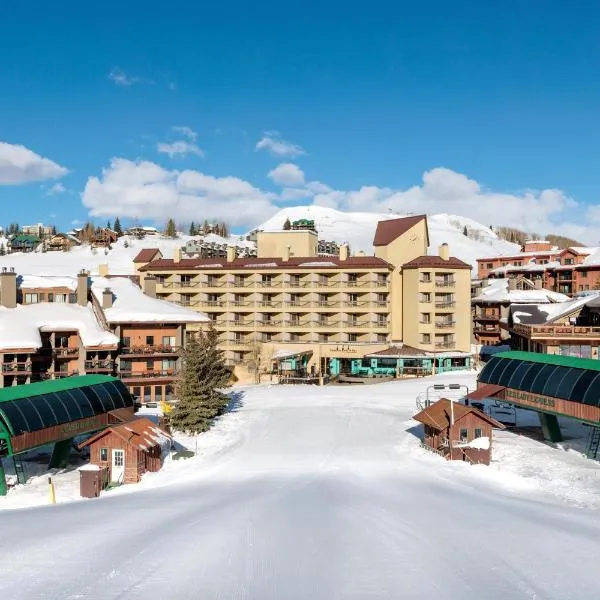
point(352, 337)
point(294, 337)
point(267, 279)
point(381, 278)
point(425, 298)
point(61, 341)
point(425, 338)
point(149, 365)
point(382, 298)
point(158, 393)
point(425, 277)
point(425, 318)
point(147, 393)
point(149, 340)
point(381, 320)
point(294, 280)
point(168, 340)
point(381, 338)
point(490, 266)
point(352, 278)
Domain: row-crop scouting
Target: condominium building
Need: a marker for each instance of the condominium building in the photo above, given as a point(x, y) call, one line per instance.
point(54, 327)
point(568, 271)
point(336, 310)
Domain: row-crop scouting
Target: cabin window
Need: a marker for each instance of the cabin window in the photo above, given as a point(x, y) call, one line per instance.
point(103, 454)
point(464, 435)
point(478, 433)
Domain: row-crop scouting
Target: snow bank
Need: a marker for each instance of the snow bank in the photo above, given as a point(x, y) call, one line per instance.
point(497, 291)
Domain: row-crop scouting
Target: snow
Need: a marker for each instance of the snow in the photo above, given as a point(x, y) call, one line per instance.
point(89, 467)
point(497, 291)
point(480, 443)
point(130, 304)
point(358, 229)
point(20, 327)
point(321, 493)
point(41, 282)
point(558, 310)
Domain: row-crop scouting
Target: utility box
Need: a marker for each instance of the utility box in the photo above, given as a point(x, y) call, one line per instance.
point(93, 479)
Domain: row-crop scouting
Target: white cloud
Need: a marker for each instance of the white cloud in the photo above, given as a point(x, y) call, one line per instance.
point(120, 78)
point(76, 222)
point(179, 148)
point(272, 142)
point(446, 191)
point(20, 165)
point(57, 188)
point(287, 174)
point(142, 188)
point(185, 131)
point(288, 194)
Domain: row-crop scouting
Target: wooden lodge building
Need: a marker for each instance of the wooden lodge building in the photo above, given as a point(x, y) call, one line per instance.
point(129, 449)
point(458, 432)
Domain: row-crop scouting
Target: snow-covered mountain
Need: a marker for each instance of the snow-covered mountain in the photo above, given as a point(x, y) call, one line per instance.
point(358, 229)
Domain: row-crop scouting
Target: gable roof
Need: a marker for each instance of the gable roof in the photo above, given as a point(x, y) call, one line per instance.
point(141, 433)
point(146, 255)
point(436, 262)
point(438, 415)
point(388, 231)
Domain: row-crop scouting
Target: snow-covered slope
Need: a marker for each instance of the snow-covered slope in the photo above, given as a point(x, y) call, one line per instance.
point(119, 258)
point(358, 229)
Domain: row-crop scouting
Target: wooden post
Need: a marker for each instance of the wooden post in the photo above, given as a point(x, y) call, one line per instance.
point(51, 491)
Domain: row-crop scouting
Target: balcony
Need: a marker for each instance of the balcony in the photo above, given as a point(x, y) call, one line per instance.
point(270, 304)
point(445, 304)
point(445, 345)
point(271, 284)
point(66, 352)
point(445, 324)
point(490, 330)
point(158, 374)
point(147, 350)
point(487, 318)
point(445, 283)
point(180, 284)
point(14, 368)
point(99, 366)
point(61, 374)
point(556, 331)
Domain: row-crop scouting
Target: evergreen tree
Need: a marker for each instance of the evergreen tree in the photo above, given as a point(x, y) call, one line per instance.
point(287, 225)
point(192, 229)
point(170, 229)
point(199, 388)
point(465, 231)
point(117, 227)
point(108, 224)
point(53, 229)
point(2, 250)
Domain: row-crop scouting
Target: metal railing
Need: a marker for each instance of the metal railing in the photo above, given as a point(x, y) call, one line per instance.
point(557, 331)
point(150, 349)
point(62, 352)
point(16, 367)
point(151, 374)
point(445, 344)
point(445, 304)
point(445, 324)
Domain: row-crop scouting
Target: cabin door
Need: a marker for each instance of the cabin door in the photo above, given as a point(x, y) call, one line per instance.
point(118, 466)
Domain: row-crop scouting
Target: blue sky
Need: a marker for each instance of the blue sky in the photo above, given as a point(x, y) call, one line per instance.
point(496, 103)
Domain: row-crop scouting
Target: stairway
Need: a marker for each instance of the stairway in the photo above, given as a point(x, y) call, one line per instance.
point(593, 444)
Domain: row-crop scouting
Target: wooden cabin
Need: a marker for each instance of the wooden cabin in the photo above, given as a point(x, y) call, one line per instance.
point(129, 449)
point(62, 242)
point(458, 432)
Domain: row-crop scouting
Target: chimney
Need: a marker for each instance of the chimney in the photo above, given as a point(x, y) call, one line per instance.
point(177, 255)
point(344, 252)
point(107, 298)
point(82, 287)
point(230, 254)
point(103, 270)
point(8, 288)
point(444, 252)
point(150, 286)
point(287, 252)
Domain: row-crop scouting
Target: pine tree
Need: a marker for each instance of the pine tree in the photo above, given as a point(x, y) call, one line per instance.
point(465, 231)
point(2, 250)
point(108, 225)
point(287, 225)
point(192, 228)
point(170, 229)
point(117, 227)
point(199, 388)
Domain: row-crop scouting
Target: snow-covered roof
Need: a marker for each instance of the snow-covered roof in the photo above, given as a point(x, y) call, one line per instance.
point(20, 327)
point(130, 304)
point(497, 291)
point(536, 314)
point(44, 281)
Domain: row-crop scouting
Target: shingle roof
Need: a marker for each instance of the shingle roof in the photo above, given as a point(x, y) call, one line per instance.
point(438, 415)
point(141, 433)
point(403, 350)
point(388, 231)
point(436, 262)
point(311, 262)
point(146, 255)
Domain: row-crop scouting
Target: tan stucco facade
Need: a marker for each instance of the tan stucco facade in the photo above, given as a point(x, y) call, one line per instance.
point(279, 243)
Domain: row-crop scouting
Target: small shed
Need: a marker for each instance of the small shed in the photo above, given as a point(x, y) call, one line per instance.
point(129, 450)
point(458, 432)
